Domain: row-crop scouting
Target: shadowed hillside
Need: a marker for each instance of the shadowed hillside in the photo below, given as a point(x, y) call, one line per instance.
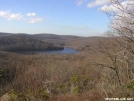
point(5, 34)
point(25, 42)
point(38, 40)
point(90, 74)
point(59, 39)
point(76, 42)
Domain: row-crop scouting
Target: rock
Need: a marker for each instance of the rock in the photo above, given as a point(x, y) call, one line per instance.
point(6, 97)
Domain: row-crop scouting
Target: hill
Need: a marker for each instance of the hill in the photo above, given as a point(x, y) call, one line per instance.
point(87, 75)
point(5, 34)
point(25, 42)
point(53, 38)
point(76, 42)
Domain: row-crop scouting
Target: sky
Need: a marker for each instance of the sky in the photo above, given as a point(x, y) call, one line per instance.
point(62, 17)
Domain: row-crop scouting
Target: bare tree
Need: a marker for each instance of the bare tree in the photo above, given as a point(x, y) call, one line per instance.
point(121, 49)
point(123, 26)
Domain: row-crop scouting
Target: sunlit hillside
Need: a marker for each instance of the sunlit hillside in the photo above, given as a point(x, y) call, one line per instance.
point(87, 75)
point(67, 50)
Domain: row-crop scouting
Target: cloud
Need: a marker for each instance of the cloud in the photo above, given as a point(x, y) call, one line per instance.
point(80, 2)
point(94, 3)
point(34, 20)
point(122, 14)
point(15, 16)
point(124, 6)
point(8, 16)
point(4, 13)
point(82, 28)
point(31, 14)
point(110, 8)
point(18, 16)
point(97, 3)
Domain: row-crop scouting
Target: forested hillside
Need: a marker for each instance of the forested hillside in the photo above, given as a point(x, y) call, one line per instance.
point(59, 39)
point(102, 71)
point(5, 34)
point(24, 42)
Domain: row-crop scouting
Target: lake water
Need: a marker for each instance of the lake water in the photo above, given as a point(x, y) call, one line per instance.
point(64, 51)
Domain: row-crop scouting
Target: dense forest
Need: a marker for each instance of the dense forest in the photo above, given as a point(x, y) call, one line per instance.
point(102, 70)
point(24, 42)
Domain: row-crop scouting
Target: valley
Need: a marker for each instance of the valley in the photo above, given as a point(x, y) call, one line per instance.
point(49, 77)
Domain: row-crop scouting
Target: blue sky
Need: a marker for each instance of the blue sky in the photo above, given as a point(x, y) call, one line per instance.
point(63, 17)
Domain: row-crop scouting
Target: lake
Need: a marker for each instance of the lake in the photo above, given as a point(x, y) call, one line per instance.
point(64, 51)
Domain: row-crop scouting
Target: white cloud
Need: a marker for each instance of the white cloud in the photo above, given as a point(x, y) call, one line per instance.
point(15, 16)
point(7, 15)
point(80, 2)
point(97, 3)
point(110, 8)
point(31, 14)
point(122, 15)
point(34, 20)
point(124, 6)
point(18, 16)
point(82, 27)
point(4, 13)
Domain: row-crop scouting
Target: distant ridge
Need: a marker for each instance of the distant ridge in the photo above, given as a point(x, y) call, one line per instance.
point(25, 42)
point(76, 42)
point(5, 34)
point(47, 35)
